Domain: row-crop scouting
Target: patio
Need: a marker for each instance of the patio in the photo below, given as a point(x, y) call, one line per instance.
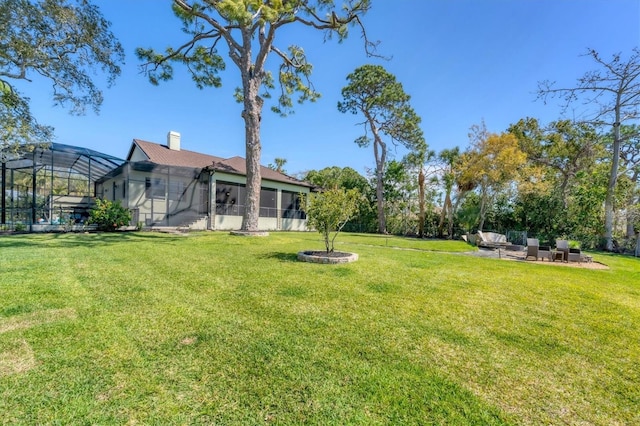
point(518, 253)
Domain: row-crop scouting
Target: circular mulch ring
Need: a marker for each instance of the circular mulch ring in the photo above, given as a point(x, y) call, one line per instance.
point(333, 258)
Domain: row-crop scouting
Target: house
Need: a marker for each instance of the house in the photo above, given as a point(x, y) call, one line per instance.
point(165, 185)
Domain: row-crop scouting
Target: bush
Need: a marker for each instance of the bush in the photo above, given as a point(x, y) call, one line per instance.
point(109, 215)
point(329, 211)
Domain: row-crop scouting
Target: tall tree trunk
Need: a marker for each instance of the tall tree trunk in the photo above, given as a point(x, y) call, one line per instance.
point(631, 231)
point(380, 154)
point(446, 211)
point(450, 219)
point(421, 201)
point(251, 114)
point(631, 211)
point(3, 194)
point(613, 177)
point(456, 205)
point(443, 214)
point(483, 205)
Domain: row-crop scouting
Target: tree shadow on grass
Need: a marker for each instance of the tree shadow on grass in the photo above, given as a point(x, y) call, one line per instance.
point(282, 256)
point(64, 240)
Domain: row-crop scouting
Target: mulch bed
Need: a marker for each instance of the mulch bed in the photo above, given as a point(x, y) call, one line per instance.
point(329, 254)
point(332, 258)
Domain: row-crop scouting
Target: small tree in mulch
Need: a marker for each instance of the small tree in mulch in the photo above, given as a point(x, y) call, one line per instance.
point(329, 211)
point(109, 215)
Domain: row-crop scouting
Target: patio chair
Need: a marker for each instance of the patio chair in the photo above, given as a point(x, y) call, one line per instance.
point(544, 252)
point(532, 248)
point(563, 246)
point(574, 255)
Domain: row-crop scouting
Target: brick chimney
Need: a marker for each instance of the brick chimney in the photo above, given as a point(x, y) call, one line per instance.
point(173, 140)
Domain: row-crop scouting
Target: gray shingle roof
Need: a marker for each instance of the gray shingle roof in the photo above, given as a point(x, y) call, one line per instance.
point(161, 154)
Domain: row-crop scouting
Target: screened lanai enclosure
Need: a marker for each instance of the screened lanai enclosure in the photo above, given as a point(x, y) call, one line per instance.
point(50, 187)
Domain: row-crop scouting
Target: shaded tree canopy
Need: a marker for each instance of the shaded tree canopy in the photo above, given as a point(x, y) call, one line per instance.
point(416, 160)
point(64, 41)
point(376, 94)
point(492, 162)
point(347, 178)
point(563, 148)
point(611, 97)
point(336, 177)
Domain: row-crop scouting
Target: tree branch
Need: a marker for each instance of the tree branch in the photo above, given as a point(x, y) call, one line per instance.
point(265, 47)
point(338, 24)
point(224, 31)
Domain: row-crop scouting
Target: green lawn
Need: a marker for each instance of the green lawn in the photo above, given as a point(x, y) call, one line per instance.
point(148, 328)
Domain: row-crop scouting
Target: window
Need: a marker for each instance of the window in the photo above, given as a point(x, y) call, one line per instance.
point(268, 202)
point(176, 189)
point(291, 206)
point(230, 198)
point(154, 187)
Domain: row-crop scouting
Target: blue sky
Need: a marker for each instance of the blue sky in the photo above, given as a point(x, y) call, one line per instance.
point(462, 61)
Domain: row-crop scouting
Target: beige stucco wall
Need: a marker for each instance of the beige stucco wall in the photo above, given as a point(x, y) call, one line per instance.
point(227, 223)
point(268, 223)
point(294, 225)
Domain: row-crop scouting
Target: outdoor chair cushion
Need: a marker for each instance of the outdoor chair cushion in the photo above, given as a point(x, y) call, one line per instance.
point(574, 255)
point(544, 252)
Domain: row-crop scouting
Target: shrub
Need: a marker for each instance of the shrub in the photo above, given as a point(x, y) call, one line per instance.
point(109, 215)
point(329, 211)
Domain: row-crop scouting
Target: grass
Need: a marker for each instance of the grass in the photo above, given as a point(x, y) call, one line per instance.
point(146, 328)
